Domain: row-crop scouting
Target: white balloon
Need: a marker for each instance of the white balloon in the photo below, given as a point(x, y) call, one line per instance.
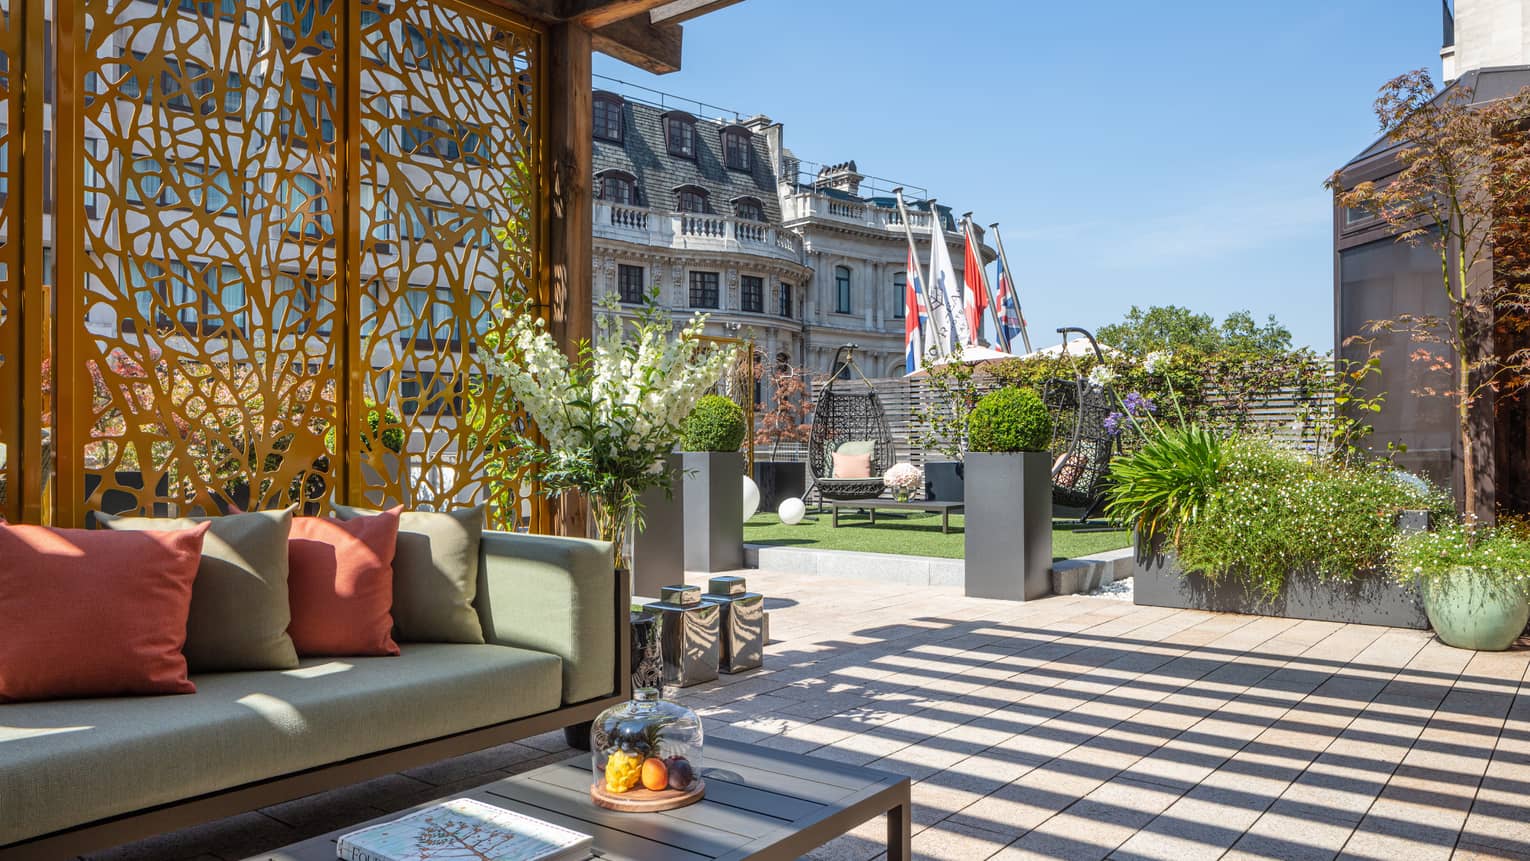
point(751, 498)
point(792, 511)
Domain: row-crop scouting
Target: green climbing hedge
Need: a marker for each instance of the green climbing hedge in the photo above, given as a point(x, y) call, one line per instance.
point(1010, 419)
point(715, 424)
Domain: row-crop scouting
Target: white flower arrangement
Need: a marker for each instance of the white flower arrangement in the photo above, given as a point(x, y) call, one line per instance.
point(1102, 375)
point(1157, 361)
point(604, 420)
point(904, 477)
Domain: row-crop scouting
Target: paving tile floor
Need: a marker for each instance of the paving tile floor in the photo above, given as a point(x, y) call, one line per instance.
point(1079, 728)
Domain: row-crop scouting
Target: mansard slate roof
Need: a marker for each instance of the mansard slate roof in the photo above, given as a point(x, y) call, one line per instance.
point(644, 153)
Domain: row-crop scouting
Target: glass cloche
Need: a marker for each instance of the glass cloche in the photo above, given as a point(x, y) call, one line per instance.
point(645, 750)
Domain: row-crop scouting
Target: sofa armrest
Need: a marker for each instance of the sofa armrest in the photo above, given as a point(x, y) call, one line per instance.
point(555, 595)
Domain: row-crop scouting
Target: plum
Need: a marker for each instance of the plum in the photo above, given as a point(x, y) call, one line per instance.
point(681, 775)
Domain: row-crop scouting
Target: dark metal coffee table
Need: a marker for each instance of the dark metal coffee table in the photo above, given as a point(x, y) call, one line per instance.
point(944, 508)
point(761, 804)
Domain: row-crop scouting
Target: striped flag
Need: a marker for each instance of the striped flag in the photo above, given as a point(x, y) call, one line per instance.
point(1009, 307)
point(915, 316)
point(975, 299)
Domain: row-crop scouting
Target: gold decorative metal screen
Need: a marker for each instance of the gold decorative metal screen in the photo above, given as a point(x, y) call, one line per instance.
point(11, 379)
point(278, 218)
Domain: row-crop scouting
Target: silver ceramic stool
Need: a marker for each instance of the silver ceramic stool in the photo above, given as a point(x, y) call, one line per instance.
point(689, 632)
point(742, 623)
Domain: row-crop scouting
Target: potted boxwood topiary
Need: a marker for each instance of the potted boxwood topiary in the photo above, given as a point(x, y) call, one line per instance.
point(1473, 582)
point(714, 485)
point(1009, 497)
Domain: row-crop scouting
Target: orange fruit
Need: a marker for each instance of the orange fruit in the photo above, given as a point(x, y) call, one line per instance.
point(655, 774)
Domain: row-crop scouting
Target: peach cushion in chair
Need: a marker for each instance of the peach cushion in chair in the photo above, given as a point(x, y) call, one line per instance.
point(92, 613)
point(340, 582)
point(852, 465)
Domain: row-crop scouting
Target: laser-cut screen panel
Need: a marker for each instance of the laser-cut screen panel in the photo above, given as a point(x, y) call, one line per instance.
point(251, 268)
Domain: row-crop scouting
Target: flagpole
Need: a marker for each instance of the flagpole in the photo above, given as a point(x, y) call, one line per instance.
point(993, 306)
point(941, 337)
point(1014, 292)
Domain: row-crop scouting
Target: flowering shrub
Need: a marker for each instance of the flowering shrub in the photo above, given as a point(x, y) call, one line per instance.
point(1272, 511)
point(1499, 555)
point(604, 420)
point(904, 477)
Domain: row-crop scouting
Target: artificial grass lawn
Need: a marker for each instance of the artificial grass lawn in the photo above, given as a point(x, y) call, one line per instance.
point(914, 534)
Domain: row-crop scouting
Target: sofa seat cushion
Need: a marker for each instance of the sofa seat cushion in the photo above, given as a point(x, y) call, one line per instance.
point(70, 762)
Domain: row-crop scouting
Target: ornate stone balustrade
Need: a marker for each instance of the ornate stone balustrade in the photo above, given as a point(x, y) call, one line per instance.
point(696, 231)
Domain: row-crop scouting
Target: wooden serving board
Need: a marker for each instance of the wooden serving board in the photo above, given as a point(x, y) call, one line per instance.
point(640, 800)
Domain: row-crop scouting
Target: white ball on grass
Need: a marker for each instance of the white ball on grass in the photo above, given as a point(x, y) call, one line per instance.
point(792, 511)
point(751, 498)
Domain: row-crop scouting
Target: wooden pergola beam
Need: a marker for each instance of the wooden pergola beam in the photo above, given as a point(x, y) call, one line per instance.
point(634, 40)
point(677, 11)
point(595, 14)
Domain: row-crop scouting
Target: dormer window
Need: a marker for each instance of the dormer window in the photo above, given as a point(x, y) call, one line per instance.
point(608, 117)
point(689, 198)
point(749, 209)
point(617, 187)
point(680, 134)
point(736, 148)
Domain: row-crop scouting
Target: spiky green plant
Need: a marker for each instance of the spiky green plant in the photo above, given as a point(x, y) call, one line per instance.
point(1164, 485)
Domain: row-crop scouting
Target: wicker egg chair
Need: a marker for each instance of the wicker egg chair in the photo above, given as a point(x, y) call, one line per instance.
point(848, 411)
point(1081, 444)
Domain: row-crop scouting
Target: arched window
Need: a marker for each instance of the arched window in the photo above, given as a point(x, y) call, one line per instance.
point(842, 289)
point(617, 187)
point(749, 209)
point(690, 198)
point(900, 286)
point(736, 148)
point(608, 117)
point(680, 134)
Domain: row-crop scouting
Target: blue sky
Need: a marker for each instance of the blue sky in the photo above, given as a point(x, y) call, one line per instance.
point(1147, 153)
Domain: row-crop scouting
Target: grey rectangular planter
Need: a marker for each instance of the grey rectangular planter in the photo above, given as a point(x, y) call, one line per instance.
point(1008, 524)
point(714, 510)
point(779, 481)
point(658, 549)
point(943, 480)
point(1370, 599)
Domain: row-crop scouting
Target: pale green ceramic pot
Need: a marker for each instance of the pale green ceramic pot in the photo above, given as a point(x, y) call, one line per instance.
point(1471, 611)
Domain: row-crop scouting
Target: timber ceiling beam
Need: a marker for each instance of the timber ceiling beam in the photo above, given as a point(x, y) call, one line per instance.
point(621, 28)
point(677, 11)
point(595, 14)
point(652, 48)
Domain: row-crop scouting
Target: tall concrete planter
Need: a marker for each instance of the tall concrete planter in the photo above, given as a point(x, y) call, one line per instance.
point(658, 550)
point(779, 481)
point(1370, 599)
point(714, 510)
point(944, 480)
point(1008, 524)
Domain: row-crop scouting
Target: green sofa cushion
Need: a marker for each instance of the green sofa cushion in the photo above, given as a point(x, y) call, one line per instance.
point(239, 607)
point(554, 595)
point(69, 762)
point(435, 574)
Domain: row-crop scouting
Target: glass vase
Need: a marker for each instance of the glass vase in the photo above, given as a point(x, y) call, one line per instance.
point(617, 523)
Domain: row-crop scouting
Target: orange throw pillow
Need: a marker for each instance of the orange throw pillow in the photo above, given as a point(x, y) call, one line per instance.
point(852, 465)
point(94, 613)
point(340, 584)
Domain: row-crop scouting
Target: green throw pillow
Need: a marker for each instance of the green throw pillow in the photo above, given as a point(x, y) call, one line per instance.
point(239, 610)
point(435, 574)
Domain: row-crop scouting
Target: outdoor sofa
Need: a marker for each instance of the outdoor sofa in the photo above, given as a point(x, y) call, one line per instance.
point(78, 775)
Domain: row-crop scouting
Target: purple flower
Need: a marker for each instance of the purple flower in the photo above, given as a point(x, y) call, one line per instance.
point(1137, 405)
point(1113, 423)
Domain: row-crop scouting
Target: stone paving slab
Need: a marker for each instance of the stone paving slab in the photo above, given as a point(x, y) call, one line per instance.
point(1079, 728)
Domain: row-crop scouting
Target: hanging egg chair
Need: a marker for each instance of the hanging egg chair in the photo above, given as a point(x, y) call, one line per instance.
point(848, 418)
point(1082, 445)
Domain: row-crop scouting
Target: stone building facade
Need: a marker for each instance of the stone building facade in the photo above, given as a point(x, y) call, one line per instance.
point(722, 218)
